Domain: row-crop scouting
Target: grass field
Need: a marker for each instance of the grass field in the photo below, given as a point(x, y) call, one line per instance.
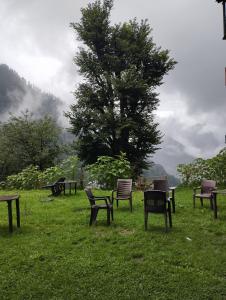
point(56, 255)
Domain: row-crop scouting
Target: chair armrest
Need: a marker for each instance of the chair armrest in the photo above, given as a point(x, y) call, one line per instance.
point(196, 188)
point(112, 194)
point(47, 186)
point(103, 198)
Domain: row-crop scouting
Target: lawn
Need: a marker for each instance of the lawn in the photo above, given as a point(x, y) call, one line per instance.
point(56, 255)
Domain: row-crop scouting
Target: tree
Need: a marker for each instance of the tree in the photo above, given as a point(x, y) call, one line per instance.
point(212, 168)
point(26, 141)
point(121, 67)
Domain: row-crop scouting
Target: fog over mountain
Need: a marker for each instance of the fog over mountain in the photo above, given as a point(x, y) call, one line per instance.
point(157, 170)
point(17, 95)
point(171, 154)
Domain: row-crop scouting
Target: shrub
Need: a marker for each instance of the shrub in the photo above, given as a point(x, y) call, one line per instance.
point(32, 178)
point(26, 179)
point(108, 169)
point(213, 168)
point(50, 175)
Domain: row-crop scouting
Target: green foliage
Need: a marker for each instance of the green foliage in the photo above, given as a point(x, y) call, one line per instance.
point(70, 167)
point(108, 169)
point(213, 168)
point(27, 179)
point(50, 175)
point(26, 141)
point(32, 178)
point(114, 106)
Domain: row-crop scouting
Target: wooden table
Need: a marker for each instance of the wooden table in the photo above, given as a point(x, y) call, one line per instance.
point(70, 183)
point(9, 199)
point(215, 193)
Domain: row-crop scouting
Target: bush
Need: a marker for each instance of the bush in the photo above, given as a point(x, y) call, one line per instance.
point(108, 169)
point(213, 168)
point(27, 179)
point(50, 175)
point(32, 178)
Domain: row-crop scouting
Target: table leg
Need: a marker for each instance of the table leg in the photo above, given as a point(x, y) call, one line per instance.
point(10, 216)
point(215, 205)
point(64, 185)
point(173, 200)
point(70, 188)
point(18, 212)
point(75, 187)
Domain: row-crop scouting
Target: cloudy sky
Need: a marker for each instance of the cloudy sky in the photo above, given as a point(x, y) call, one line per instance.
point(37, 42)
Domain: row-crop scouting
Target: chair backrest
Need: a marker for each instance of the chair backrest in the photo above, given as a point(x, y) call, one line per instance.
point(155, 201)
point(90, 195)
point(61, 179)
point(208, 186)
point(124, 187)
point(161, 185)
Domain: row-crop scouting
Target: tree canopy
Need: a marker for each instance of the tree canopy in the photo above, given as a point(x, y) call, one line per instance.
point(121, 67)
point(26, 141)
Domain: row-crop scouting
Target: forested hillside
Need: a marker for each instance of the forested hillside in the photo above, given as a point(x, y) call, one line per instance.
point(17, 95)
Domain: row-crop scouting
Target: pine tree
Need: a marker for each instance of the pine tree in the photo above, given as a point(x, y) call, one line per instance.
point(121, 67)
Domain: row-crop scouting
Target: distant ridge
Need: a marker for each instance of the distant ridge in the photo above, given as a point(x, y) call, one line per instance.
point(16, 95)
point(158, 170)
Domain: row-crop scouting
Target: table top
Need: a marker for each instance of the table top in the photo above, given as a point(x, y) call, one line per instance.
point(9, 197)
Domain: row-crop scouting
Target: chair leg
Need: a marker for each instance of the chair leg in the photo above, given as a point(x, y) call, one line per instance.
point(53, 190)
point(112, 214)
point(131, 205)
point(108, 216)
point(117, 202)
point(95, 212)
point(166, 223)
point(170, 218)
point(201, 200)
point(145, 220)
point(91, 217)
point(194, 201)
point(173, 204)
point(211, 203)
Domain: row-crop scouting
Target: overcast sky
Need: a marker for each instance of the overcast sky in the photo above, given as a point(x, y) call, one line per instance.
point(37, 42)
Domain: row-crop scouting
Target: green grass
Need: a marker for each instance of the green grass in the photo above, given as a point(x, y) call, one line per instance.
point(56, 255)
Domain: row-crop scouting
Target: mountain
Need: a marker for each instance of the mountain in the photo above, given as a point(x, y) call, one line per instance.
point(157, 170)
point(171, 154)
point(16, 95)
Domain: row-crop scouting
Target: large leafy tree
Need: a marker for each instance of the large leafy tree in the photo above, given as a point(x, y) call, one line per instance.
point(26, 141)
point(121, 67)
